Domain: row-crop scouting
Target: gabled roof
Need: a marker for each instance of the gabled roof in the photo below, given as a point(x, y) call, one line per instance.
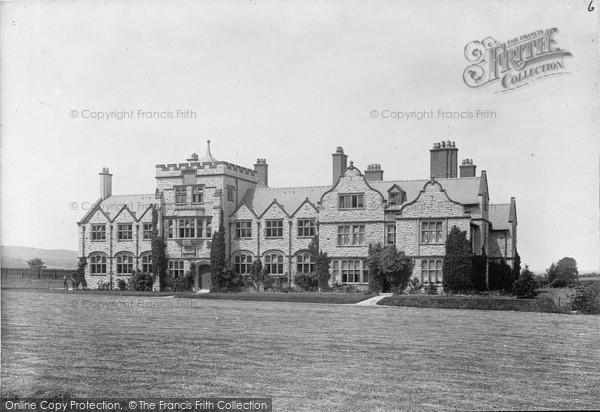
point(463, 190)
point(291, 198)
point(499, 216)
point(137, 205)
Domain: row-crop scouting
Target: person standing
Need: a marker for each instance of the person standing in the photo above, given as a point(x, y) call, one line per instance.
point(65, 284)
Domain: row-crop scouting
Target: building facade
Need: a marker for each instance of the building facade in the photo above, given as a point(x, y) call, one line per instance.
point(276, 225)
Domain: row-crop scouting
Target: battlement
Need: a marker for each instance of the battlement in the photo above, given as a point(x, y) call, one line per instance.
point(206, 167)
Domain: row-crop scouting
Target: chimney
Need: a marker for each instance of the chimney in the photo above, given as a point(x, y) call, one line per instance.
point(340, 163)
point(262, 171)
point(374, 173)
point(444, 158)
point(105, 183)
point(467, 168)
point(193, 158)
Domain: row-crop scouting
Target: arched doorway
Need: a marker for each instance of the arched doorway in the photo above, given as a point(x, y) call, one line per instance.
point(202, 278)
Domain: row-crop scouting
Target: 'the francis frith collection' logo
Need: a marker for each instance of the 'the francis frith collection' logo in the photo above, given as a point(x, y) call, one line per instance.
point(516, 62)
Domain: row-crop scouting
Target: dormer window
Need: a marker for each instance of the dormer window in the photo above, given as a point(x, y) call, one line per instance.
point(396, 196)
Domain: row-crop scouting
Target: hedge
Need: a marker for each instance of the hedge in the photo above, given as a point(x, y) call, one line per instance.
point(472, 302)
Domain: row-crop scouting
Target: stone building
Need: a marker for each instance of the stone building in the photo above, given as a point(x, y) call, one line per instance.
point(276, 225)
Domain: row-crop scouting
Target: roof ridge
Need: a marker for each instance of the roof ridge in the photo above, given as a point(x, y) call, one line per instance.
point(293, 187)
point(135, 194)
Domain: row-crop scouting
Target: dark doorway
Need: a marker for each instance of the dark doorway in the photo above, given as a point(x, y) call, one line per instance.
point(203, 277)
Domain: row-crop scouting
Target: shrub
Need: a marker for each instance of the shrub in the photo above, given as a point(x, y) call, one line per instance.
point(388, 268)
point(121, 284)
point(377, 280)
point(500, 277)
point(560, 283)
point(414, 286)
point(432, 289)
point(587, 297)
point(158, 247)
point(218, 259)
point(541, 280)
point(184, 283)
point(231, 281)
point(478, 279)
point(141, 281)
point(458, 264)
point(525, 286)
point(80, 274)
point(306, 281)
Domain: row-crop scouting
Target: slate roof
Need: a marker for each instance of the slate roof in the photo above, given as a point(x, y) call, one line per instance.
point(112, 205)
point(463, 190)
point(291, 198)
point(499, 216)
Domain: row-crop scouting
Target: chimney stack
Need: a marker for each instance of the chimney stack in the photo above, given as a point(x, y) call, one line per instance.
point(467, 168)
point(262, 171)
point(374, 173)
point(444, 158)
point(340, 163)
point(105, 183)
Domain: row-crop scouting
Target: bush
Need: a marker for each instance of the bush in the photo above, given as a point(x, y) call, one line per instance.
point(559, 283)
point(478, 276)
point(141, 281)
point(458, 264)
point(525, 286)
point(306, 281)
point(542, 281)
point(587, 297)
point(414, 286)
point(432, 289)
point(183, 283)
point(500, 276)
point(121, 284)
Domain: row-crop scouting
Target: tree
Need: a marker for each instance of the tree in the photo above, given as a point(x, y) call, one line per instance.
point(255, 276)
point(517, 266)
point(458, 263)
point(321, 263)
point(551, 272)
point(377, 279)
point(500, 276)
point(36, 263)
point(566, 270)
point(218, 259)
point(396, 266)
point(159, 259)
point(80, 273)
point(525, 287)
point(478, 278)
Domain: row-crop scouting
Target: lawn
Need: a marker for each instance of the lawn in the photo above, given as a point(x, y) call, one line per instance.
point(305, 356)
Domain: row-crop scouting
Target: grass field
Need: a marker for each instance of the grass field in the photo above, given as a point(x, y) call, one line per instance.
point(305, 356)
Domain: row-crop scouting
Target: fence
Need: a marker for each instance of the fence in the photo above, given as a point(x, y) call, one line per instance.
point(35, 278)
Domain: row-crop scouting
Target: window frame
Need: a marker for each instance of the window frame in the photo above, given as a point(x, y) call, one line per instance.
point(303, 228)
point(351, 235)
point(180, 193)
point(347, 201)
point(230, 190)
point(303, 266)
point(425, 233)
point(94, 264)
point(356, 268)
point(122, 233)
point(95, 232)
point(389, 233)
point(120, 264)
point(147, 231)
point(242, 262)
point(278, 229)
point(176, 268)
point(437, 270)
point(278, 265)
point(245, 231)
point(146, 259)
point(197, 194)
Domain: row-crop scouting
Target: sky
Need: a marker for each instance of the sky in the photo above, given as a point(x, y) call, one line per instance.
point(289, 82)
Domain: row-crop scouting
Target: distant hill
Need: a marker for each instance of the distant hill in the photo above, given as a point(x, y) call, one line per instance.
point(17, 257)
